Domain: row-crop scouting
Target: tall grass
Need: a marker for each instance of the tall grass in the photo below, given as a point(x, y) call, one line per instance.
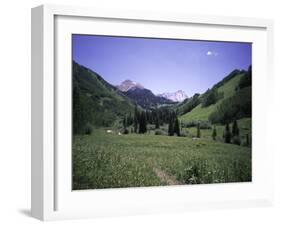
point(102, 160)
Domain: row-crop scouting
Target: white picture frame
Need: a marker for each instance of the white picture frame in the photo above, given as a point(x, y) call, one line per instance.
point(52, 198)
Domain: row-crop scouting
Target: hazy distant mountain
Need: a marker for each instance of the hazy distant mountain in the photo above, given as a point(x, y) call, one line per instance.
point(128, 84)
point(177, 96)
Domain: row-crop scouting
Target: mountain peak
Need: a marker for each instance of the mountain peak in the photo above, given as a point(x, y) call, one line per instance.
point(177, 96)
point(129, 84)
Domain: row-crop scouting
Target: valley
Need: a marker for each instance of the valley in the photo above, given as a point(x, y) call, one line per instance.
point(127, 136)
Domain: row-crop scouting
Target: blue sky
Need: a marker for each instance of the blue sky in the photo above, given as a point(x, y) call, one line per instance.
point(161, 65)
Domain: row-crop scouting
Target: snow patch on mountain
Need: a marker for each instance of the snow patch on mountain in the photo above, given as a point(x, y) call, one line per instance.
point(177, 96)
point(128, 84)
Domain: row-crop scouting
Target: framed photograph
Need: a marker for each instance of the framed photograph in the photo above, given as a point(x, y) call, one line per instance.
point(137, 112)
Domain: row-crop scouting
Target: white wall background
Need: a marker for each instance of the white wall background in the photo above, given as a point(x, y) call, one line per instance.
point(15, 112)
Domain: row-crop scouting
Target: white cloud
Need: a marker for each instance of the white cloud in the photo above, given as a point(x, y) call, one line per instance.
point(211, 53)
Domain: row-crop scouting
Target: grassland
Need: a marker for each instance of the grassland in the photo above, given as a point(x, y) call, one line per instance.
point(245, 128)
point(109, 160)
point(203, 113)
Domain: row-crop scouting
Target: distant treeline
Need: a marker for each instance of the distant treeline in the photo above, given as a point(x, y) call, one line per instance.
point(156, 117)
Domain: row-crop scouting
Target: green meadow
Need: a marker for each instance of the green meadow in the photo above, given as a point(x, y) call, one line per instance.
point(109, 160)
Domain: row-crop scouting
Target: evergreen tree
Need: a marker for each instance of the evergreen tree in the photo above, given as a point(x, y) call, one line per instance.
point(129, 119)
point(137, 114)
point(227, 134)
point(125, 123)
point(142, 123)
point(147, 116)
point(235, 129)
point(171, 128)
point(136, 120)
point(156, 121)
point(214, 134)
point(135, 124)
point(173, 115)
point(177, 127)
point(235, 133)
point(198, 130)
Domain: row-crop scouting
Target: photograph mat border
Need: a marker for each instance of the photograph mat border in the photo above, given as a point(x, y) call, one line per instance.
point(43, 126)
point(66, 25)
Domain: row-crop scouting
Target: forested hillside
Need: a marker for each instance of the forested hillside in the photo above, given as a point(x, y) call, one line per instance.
point(95, 101)
point(227, 100)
